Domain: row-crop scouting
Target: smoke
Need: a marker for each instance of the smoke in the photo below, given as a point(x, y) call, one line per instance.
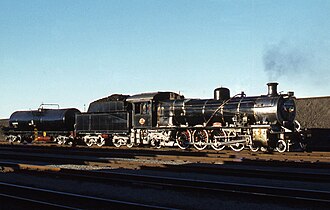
point(282, 59)
point(304, 65)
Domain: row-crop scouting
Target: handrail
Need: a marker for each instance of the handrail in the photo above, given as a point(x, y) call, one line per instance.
point(42, 105)
point(221, 106)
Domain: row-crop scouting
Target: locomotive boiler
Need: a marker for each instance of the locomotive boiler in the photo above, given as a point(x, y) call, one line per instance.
point(224, 110)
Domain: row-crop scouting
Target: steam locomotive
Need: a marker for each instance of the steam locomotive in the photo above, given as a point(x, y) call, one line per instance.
point(169, 119)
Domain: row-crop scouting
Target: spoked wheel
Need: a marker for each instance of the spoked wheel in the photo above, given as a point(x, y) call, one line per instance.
point(117, 142)
point(100, 141)
point(281, 146)
point(155, 143)
point(18, 139)
point(129, 144)
point(201, 138)
point(60, 140)
point(238, 146)
point(263, 149)
point(70, 142)
point(183, 139)
point(218, 137)
point(11, 138)
point(89, 143)
point(254, 148)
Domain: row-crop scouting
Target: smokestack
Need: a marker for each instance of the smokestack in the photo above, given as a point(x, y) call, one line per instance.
point(272, 88)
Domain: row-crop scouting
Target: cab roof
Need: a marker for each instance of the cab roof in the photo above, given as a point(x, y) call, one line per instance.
point(155, 96)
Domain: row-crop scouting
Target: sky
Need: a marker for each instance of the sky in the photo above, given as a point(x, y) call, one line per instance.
point(72, 52)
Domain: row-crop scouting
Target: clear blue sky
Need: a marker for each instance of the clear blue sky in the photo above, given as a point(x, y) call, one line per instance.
point(73, 52)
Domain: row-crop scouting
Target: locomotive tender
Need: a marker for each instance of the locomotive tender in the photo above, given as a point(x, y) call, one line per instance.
point(168, 119)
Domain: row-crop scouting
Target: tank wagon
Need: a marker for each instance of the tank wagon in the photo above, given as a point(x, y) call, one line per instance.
point(42, 125)
point(168, 119)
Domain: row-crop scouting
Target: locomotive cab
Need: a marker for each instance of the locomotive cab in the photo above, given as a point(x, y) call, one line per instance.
point(145, 108)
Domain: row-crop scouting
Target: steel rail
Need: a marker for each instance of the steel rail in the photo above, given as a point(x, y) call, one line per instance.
point(317, 196)
point(227, 168)
point(41, 197)
point(227, 157)
point(281, 193)
point(27, 202)
point(163, 151)
point(104, 157)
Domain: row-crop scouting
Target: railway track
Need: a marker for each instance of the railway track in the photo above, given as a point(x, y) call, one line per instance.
point(148, 169)
point(255, 191)
point(111, 151)
point(229, 169)
point(32, 197)
point(99, 157)
point(207, 165)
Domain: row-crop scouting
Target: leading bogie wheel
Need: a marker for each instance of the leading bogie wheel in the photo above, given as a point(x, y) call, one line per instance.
point(254, 148)
point(281, 146)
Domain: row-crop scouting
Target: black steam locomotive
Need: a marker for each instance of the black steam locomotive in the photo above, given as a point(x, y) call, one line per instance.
point(168, 119)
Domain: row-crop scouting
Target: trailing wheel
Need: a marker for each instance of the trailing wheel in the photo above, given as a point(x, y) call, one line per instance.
point(155, 143)
point(183, 139)
point(200, 138)
point(217, 138)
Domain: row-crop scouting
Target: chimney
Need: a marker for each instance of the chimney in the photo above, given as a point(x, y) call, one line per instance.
point(272, 89)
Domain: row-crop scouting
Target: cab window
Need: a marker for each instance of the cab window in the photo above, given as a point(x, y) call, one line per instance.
point(137, 109)
point(145, 109)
